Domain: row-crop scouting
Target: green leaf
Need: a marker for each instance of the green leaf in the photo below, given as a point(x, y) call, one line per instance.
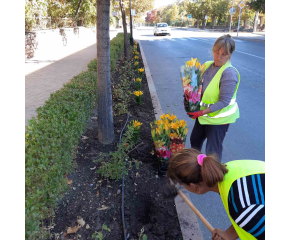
point(144, 237)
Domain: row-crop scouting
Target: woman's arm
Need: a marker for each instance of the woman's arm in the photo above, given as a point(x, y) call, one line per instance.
point(229, 234)
point(228, 83)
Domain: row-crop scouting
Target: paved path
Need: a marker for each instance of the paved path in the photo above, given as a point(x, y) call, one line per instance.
point(51, 68)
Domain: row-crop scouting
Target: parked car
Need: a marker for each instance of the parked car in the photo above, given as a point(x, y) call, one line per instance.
point(161, 29)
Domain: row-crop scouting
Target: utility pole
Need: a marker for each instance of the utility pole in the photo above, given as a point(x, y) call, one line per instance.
point(231, 16)
point(131, 29)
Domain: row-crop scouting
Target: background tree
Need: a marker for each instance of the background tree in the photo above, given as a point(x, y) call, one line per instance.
point(174, 13)
point(122, 8)
point(259, 7)
point(140, 7)
point(105, 110)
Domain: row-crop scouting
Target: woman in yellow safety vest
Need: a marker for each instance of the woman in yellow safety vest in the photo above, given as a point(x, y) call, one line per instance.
point(240, 183)
point(218, 106)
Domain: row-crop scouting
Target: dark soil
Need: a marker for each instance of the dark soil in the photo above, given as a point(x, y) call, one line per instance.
point(99, 201)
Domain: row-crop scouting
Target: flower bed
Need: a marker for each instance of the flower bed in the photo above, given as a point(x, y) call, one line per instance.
point(92, 205)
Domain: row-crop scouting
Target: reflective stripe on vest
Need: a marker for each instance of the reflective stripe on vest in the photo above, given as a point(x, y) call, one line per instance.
point(202, 104)
point(225, 114)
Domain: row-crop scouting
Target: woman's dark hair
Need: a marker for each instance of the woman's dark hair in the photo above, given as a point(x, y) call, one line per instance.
point(184, 168)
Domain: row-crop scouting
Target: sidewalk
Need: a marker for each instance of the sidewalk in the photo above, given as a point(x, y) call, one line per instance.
point(53, 67)
point(258, 37)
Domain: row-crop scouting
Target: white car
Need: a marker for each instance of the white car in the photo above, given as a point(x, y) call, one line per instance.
point(161, 28)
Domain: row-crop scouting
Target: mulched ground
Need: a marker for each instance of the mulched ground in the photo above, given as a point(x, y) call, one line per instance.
point(98, 201)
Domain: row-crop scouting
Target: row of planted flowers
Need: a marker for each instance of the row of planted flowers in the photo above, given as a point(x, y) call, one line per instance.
point(138, 81)
point(168, 132)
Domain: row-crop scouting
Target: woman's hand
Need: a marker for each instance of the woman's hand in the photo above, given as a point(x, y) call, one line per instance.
point(229, 234)
point(195, 115)
point(219, 234)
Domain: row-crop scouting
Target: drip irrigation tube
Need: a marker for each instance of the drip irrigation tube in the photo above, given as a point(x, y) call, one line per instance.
point(123, 217)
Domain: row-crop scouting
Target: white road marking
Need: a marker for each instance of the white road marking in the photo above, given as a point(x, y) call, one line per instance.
point(171, 39)
point(250, 54)
point(182, 39)
point(192, 39)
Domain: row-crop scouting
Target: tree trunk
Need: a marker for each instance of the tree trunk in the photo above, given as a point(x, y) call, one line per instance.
point(246, 23)
point(203, 23)
point(197, 23)
point(256, 21)
point(105, 110)
point(213, 19)
point(229, 21)
point(125, 30)
point(80, 3)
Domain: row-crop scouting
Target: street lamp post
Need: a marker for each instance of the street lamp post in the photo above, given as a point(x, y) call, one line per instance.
point(131, 29)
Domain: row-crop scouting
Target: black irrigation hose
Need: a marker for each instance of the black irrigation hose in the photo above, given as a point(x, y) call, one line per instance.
point(123, 217)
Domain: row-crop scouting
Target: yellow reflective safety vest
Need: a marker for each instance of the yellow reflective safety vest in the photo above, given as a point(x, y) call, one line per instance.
point(238, 169)
point(210, 96)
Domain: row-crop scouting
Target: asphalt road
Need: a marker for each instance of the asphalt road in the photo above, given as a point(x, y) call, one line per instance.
point(245, 138)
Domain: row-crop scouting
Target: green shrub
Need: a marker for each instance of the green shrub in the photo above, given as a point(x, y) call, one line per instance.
point(51, 141)
point(116, 49)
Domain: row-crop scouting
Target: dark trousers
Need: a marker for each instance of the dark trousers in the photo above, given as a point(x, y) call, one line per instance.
point(214, 134)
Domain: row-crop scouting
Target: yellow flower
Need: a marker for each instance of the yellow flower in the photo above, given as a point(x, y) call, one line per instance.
point(136, 63)
point(196, 64)
point(159, 122)
point(138, 93)
point(174, 125)
point(185, 131)
point(166, 127)
point(191, 62)
point(182, 123)
point(185, 81)
point(136, 57)
point(163, 116)
point(141, 69)
point(172, 117)
point(159, 143)
point(137, 124)
point(174, 135)
point(166, 121)
point(158, 131)
point(138, 79)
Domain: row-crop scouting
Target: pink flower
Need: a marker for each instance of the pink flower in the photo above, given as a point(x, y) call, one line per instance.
point(188, 92)
point(195, 97)
point(163, 152)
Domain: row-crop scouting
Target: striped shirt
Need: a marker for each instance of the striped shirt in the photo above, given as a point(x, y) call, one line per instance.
point(246, 202)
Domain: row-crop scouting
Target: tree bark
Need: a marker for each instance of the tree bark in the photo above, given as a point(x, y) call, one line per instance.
point(126, 52)
point(80, 3)
point(213, 19)
point(105, 110)
point(246, 23)
point(256, 21)
point(229, 21)
point(197, 23)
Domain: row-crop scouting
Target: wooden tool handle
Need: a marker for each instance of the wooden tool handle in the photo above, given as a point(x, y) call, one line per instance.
point(201, 217)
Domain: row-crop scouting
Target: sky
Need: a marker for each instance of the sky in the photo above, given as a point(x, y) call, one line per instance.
point(159, 3)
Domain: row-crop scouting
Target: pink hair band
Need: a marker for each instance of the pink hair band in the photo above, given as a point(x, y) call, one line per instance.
point(200, 158)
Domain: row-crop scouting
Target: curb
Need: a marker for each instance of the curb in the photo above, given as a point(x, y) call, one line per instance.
point(187, 219)
point(250, 39)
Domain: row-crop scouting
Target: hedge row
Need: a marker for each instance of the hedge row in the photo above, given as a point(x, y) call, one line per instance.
point(116, 48)
point(51, 141)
